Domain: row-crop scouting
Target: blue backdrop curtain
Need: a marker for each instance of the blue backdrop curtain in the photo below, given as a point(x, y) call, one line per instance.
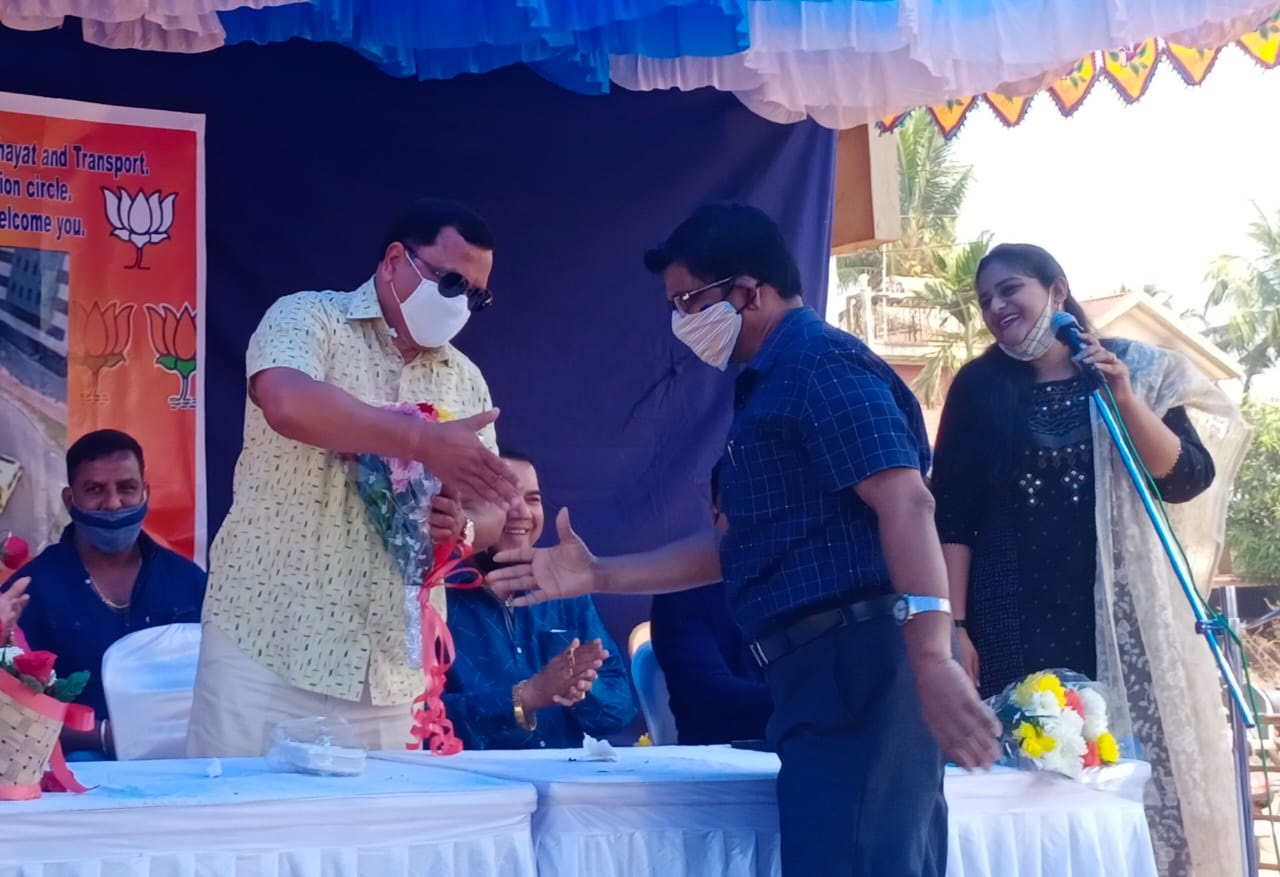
point(311, 151)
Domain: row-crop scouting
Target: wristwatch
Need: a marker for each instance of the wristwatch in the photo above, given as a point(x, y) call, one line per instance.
point(907, 606)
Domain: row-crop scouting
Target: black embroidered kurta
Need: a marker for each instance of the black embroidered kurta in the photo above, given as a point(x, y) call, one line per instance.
point(1032, 532)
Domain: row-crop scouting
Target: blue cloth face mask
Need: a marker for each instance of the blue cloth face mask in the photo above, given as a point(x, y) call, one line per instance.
point(110, 532)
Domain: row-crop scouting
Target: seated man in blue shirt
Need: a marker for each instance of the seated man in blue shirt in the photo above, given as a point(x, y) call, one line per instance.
point(718, 692)
point(105, 578)
point(537, 677)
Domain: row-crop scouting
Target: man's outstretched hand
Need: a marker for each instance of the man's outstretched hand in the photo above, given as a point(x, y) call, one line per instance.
point(535, 575)
point(452, 451)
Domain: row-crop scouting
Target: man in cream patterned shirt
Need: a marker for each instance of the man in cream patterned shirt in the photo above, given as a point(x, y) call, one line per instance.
point(303, 615)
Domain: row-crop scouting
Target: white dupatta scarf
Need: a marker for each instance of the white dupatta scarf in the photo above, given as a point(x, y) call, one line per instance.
point(1183, 701)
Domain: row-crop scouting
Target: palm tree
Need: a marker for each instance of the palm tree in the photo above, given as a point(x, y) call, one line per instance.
point(1250, 289)
point(931, 187)
point(961, 333)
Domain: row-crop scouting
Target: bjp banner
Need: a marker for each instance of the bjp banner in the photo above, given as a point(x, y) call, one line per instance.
point(101, 305)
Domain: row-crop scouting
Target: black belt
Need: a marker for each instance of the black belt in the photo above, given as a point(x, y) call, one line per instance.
point(768, 649)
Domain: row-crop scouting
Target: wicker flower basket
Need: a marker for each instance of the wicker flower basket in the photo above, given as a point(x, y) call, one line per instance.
point(29, 727)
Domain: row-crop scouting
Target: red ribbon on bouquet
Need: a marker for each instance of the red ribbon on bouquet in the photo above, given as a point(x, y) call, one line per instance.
point(430, 724)
point(58, 778)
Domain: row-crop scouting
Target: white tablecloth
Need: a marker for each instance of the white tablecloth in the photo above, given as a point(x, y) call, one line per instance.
point(694, 811)
point(170, 819)
point(1043, 825)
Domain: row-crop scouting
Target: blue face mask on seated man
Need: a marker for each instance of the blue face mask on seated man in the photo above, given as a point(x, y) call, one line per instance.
point(110, 532)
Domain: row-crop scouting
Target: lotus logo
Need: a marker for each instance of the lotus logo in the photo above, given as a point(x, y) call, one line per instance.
point(106, 332)
point(140, 219)
point(173, 337)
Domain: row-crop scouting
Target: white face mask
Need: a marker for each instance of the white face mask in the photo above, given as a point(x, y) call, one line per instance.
point(710, 334)
point(1038, 340)
point(432, 319)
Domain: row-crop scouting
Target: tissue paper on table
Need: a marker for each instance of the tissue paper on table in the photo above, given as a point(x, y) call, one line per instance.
point(316, 745)
point(597, 750)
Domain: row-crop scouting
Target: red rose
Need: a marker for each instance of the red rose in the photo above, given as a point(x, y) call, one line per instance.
point(37, 665)
point(14, 552)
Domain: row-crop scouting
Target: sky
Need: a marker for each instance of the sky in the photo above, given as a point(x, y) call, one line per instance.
point(1134, 194)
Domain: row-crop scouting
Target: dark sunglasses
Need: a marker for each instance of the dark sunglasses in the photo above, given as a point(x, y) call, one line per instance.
point(452, 284)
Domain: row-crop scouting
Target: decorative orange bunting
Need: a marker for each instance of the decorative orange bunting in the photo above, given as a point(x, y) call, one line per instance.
point(950, 115)
point(1071, 90)
point(1193, 65)
point(1263, 44)
point(890, 123)
point(1009, 110)
point(1130, 69)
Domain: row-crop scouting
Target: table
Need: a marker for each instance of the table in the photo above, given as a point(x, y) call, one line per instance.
point(171, 819)
point(1044, 825)
point(677, 811)
point(1128, 779)
point(694, 811)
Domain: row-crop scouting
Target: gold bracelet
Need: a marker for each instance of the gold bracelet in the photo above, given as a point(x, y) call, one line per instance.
point(528, 721)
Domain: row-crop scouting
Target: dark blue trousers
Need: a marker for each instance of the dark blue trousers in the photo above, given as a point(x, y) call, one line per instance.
point(860, 790)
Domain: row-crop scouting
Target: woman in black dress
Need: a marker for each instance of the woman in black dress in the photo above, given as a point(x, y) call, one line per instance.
point(1018, 511)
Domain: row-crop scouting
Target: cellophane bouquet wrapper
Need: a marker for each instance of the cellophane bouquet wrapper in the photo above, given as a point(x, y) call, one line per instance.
point(1055, 720)
point(397, 497)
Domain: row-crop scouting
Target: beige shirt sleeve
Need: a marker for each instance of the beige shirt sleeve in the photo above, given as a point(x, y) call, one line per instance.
point(293, 334)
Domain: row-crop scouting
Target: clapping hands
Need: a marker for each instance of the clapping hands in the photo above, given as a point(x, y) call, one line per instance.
point(567, 678)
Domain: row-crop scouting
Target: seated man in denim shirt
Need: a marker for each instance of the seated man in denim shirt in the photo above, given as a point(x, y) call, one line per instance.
point(105, 578)
point(536, 677)
point(718, 692)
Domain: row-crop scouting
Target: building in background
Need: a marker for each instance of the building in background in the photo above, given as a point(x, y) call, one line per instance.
point(33, 306)
point(902, 328)
point(34, 296)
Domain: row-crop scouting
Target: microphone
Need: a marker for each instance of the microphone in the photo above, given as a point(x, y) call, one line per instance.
point(1067, 330)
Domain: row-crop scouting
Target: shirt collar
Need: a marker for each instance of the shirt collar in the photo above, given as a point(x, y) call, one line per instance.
point(788, 329)
point(363, 304)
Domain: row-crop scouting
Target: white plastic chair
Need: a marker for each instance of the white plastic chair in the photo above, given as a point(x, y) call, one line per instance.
point(655, 702)
point(148, 677)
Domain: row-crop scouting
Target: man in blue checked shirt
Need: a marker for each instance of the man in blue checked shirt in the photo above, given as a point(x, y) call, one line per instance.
point(831, 561)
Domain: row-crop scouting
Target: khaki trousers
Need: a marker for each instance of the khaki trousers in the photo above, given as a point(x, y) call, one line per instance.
point(237, 701)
